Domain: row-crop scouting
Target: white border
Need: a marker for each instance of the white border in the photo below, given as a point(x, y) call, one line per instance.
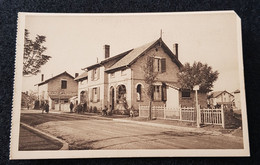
point(15, 154)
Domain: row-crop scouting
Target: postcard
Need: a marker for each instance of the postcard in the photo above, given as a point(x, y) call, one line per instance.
point(129, 85)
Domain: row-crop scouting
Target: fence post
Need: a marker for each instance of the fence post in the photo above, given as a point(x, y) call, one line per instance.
point(180, 113)
point(199, 114)
point(222, 116)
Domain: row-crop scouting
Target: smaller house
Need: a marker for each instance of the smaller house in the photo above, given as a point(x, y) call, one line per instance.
point(219, 98)
point(57, 91)
point(237, 104)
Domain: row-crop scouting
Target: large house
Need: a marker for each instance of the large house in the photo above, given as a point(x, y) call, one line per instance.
point(218, 98)
point(119, 81)
point(57, 91)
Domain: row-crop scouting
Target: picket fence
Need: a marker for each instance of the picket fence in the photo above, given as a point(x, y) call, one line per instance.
point(189, 114)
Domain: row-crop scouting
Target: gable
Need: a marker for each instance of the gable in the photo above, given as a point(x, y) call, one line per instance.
point(136, 53)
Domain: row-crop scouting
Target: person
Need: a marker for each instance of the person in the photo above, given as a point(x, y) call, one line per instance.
point(71, 106)
point(43, 107)
point(132, 112)
point(104, 111)
point(47, 107)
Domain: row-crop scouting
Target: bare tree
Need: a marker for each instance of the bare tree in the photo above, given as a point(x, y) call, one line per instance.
point(33, 54)
point(149, 77)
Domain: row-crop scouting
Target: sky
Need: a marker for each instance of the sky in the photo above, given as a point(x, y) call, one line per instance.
point(76, 41)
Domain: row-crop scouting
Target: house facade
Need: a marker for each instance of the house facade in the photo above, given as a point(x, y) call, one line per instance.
point(219, 98)
point(57, 91)
point(119, 81)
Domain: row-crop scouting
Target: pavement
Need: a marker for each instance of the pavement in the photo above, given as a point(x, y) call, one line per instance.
point(92, 131)
point(171, 124)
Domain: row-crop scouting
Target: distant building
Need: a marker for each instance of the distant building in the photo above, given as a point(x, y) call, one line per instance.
point(221, 98)
point(237, 104)
point(57, 91)
point(119, 81)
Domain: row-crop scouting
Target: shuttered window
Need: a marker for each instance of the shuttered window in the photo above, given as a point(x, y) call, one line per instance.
point(163, 65)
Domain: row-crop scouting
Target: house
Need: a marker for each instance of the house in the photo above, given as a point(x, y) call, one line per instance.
point(119, 81)
point(219, 98)
point(237, 104)
point(57, 91)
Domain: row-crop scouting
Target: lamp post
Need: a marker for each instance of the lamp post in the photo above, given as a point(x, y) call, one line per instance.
point(196, 88)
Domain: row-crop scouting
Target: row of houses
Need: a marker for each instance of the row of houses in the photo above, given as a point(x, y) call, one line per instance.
point(119, 81)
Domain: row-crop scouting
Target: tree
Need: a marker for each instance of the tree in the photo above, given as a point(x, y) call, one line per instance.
point(149, 78)
point(197, 74)
point(33, 54)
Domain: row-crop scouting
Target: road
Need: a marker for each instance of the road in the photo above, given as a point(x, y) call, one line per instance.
point(83, 132)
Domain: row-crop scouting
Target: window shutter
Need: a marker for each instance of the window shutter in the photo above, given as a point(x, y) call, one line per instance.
point(151, 63)
point(164, 93)
point(91, 95)
point(163, 65)
point(92, 75)
point(98, 94)
point(98, 73)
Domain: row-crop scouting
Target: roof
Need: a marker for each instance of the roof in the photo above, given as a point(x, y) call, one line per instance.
point(84, 75)
point(217, 93)
point(108, 59)
point(132, 55)
point(135, 53)
point(129, 57)
point(46, 81)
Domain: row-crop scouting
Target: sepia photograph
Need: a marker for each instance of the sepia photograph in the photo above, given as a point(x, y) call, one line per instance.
point(129, 85)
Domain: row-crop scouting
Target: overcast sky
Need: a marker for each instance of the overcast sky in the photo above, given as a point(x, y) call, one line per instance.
point(76, 41)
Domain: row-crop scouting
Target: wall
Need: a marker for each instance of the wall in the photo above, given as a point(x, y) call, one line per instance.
point(54, 85)
point(190, 102)
point(99, 83)
point(169, 76)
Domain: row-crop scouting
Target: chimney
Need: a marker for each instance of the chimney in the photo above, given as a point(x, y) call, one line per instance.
point(175, 50)
point(107, 51)
point(42, 77)
point(76, 75)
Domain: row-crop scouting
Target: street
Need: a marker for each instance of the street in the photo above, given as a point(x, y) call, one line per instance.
point(83, 132)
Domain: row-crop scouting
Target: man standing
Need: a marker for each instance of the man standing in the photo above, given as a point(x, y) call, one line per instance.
point(71, 106)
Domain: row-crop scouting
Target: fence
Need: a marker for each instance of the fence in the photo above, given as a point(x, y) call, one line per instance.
point(189, 114)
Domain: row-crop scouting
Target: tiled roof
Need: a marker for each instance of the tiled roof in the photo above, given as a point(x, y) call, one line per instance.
point(47, 80)
point(82, 76)
point(131, 56)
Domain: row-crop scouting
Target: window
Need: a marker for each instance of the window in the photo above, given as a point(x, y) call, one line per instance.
point(185, 94)
point(63, 84)
point(95, 74)
point(95, 94)
point(139, 92)
point(157, 93)
point(112, 75)
point(159, 65)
